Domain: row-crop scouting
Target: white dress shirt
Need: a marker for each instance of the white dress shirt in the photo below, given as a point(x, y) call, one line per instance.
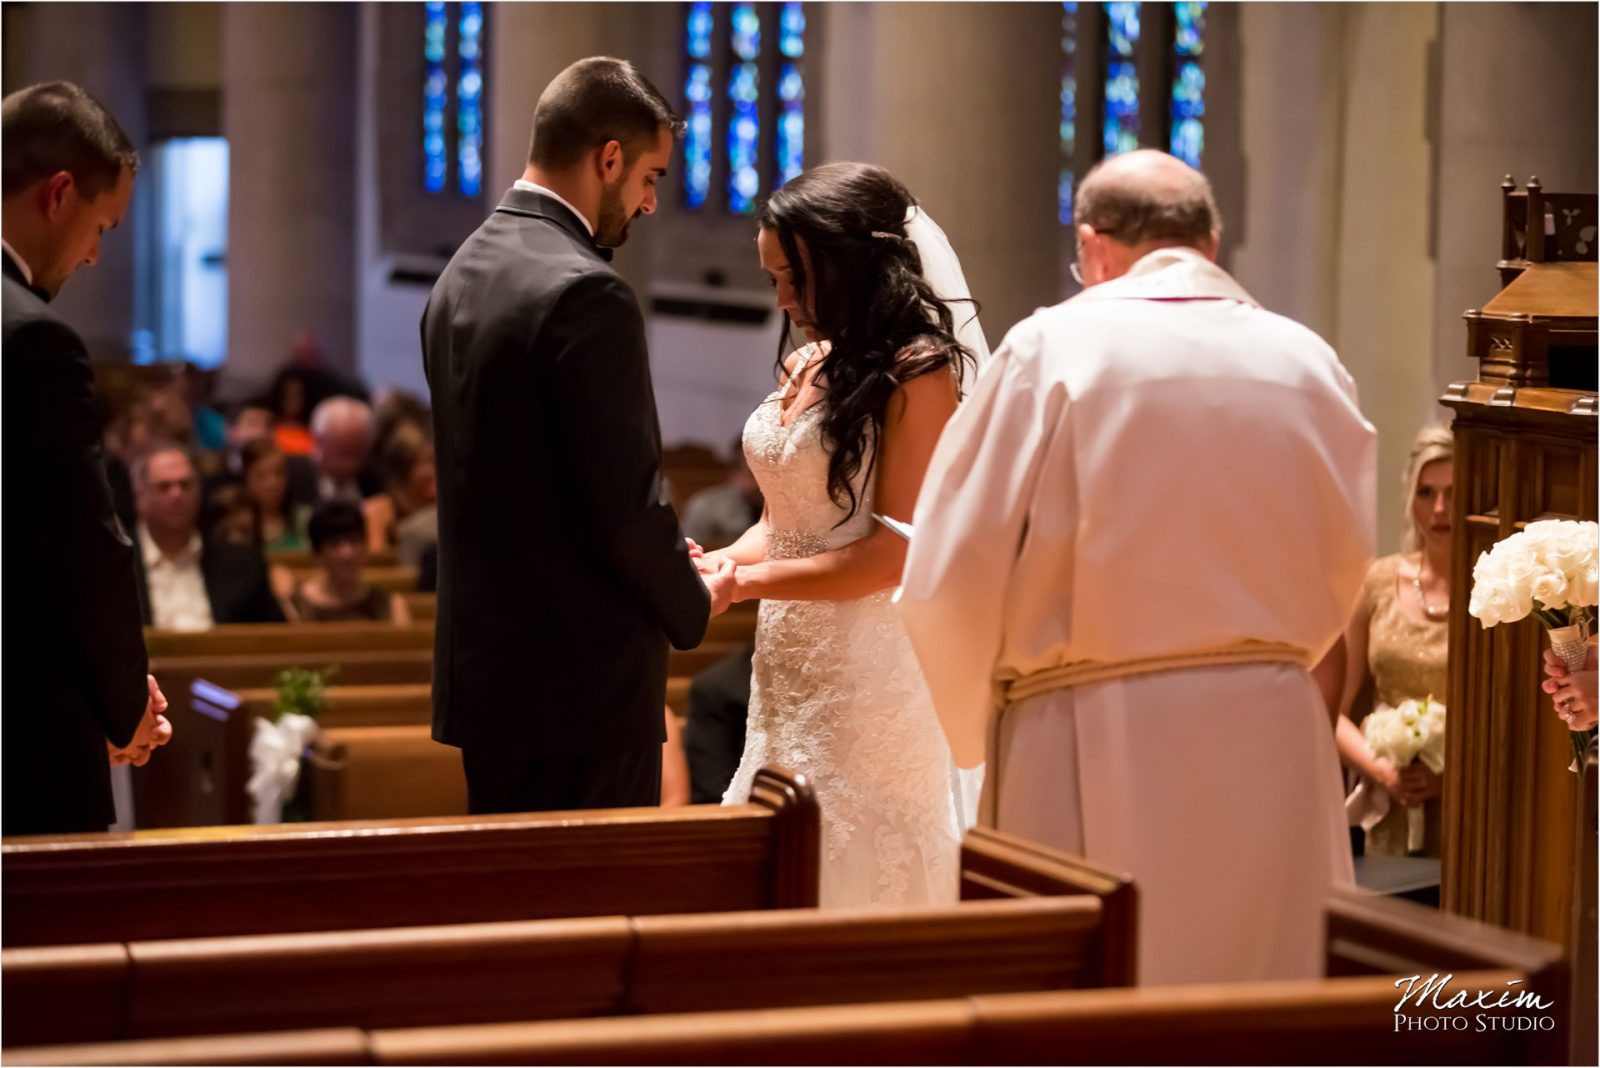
point(533, 187)
point(177, 587)
point(27, 272)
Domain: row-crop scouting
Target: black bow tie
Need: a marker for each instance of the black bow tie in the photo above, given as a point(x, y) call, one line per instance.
point(605, 253)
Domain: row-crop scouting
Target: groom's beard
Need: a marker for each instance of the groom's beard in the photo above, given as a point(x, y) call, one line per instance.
point(612, 228)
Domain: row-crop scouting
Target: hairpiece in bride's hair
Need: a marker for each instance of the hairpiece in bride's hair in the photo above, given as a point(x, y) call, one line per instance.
point(882, 235)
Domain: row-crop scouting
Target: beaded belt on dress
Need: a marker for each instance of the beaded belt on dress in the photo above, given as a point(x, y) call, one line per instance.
point(795, 544)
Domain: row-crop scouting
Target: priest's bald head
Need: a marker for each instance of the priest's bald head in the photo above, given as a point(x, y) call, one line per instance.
point(1132, 204)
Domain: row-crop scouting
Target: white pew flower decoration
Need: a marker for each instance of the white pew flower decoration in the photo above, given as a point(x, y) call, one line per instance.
point(278, 745)
point(1549, 570)
point(1411, 730)
point(275, 752)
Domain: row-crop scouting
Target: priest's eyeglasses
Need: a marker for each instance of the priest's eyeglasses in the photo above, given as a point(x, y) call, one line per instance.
point(1074, 269)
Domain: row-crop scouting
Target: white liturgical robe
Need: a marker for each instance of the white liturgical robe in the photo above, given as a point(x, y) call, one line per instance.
point(1156, 467)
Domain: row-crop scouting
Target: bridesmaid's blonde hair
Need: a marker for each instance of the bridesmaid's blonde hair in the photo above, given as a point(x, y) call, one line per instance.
point(1432, 443)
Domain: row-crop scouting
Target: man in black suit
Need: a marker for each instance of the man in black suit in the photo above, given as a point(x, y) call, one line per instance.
point(187, 582)
point(77, 697)
point(563, 574)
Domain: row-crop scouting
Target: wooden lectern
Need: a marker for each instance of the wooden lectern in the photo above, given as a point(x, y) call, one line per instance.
point(1525, 450)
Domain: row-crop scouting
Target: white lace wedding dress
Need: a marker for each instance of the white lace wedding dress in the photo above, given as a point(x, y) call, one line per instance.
point(837, 694)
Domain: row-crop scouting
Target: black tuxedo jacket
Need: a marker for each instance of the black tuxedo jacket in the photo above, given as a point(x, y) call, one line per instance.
point(74, 654)
point(562, 573)
point(237, 585)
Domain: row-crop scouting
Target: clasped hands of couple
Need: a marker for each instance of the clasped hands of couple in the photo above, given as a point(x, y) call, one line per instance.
point(718, 573)
point(154, 730)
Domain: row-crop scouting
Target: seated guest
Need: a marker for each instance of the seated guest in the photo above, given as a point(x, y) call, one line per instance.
point(187, 582)
point(233, 517)
point(716, 516)
point(408, 466)
point(337, 593)
point(1398, 642)
point(341, 435)
point(265, 474)
point(290, 408)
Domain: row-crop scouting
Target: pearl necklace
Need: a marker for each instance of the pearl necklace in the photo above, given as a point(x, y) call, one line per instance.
point(1434, 614)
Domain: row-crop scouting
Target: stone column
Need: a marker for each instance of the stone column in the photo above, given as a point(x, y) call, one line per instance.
point(532, 43)
point(102, 48)
point(1516, 96)
point(289, 106)
point(961, 102)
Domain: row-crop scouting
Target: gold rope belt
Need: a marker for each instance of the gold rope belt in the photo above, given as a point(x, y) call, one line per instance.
point(1083, 672)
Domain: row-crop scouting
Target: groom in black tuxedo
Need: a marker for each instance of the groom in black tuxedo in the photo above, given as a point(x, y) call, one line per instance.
point(562, 573)
point(76, 698)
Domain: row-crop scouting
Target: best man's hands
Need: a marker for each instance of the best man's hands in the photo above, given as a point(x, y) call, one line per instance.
point(154, 730)
point(720, 583)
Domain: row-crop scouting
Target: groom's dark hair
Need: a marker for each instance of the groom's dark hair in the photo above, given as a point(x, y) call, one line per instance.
point(593, 101)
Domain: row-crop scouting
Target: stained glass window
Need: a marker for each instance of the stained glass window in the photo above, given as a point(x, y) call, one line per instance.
point(1120, 126)
point(469, 99)
point(1069, 107)
point(744, 122)
point(791, 92)
point(435, 93)
point(697, 91)
point(1188, 82)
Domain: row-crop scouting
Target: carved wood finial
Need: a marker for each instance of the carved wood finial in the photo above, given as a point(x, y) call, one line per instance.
point(1533, 182)
point(1509, 184)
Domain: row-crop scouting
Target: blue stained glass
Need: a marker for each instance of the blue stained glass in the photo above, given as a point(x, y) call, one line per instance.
point(744, 139)
point(435, 91)
point(469, 99)
point(699, 28)
point(746, 32)
point(1122, 108)
point(1188, 112)
point(1122, 28)
point(697, 139)
point(1190, 29)
point(1069, 106)
point(791, 122)
point(792, 30)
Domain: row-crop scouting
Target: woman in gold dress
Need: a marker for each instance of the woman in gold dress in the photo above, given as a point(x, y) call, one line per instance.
point(1397, 643)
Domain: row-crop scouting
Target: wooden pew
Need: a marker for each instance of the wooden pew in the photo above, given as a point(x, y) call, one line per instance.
point(1329, 1021)
point(553, 969)
point(385, 772)
point(200, 778)
point(233, 639)
point(376, 705)
point(737, 624)
point(319, 877)
point(302, 559)
point(391, 578)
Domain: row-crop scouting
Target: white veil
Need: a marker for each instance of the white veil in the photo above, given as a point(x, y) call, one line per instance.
point(942, 268)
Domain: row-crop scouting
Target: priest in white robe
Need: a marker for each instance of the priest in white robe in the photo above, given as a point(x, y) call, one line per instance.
point(1135, 541)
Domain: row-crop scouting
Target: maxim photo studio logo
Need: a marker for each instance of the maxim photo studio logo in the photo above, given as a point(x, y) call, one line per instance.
point(1431, 1005)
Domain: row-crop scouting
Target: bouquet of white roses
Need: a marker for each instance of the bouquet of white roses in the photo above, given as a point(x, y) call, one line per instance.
point(1549, 570)
point(1412, 730)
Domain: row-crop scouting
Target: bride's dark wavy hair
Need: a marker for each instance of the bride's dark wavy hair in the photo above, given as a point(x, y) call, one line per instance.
point(884, 323)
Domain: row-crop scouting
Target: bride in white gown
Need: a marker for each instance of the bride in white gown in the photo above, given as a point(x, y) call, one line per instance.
point(837, 693)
